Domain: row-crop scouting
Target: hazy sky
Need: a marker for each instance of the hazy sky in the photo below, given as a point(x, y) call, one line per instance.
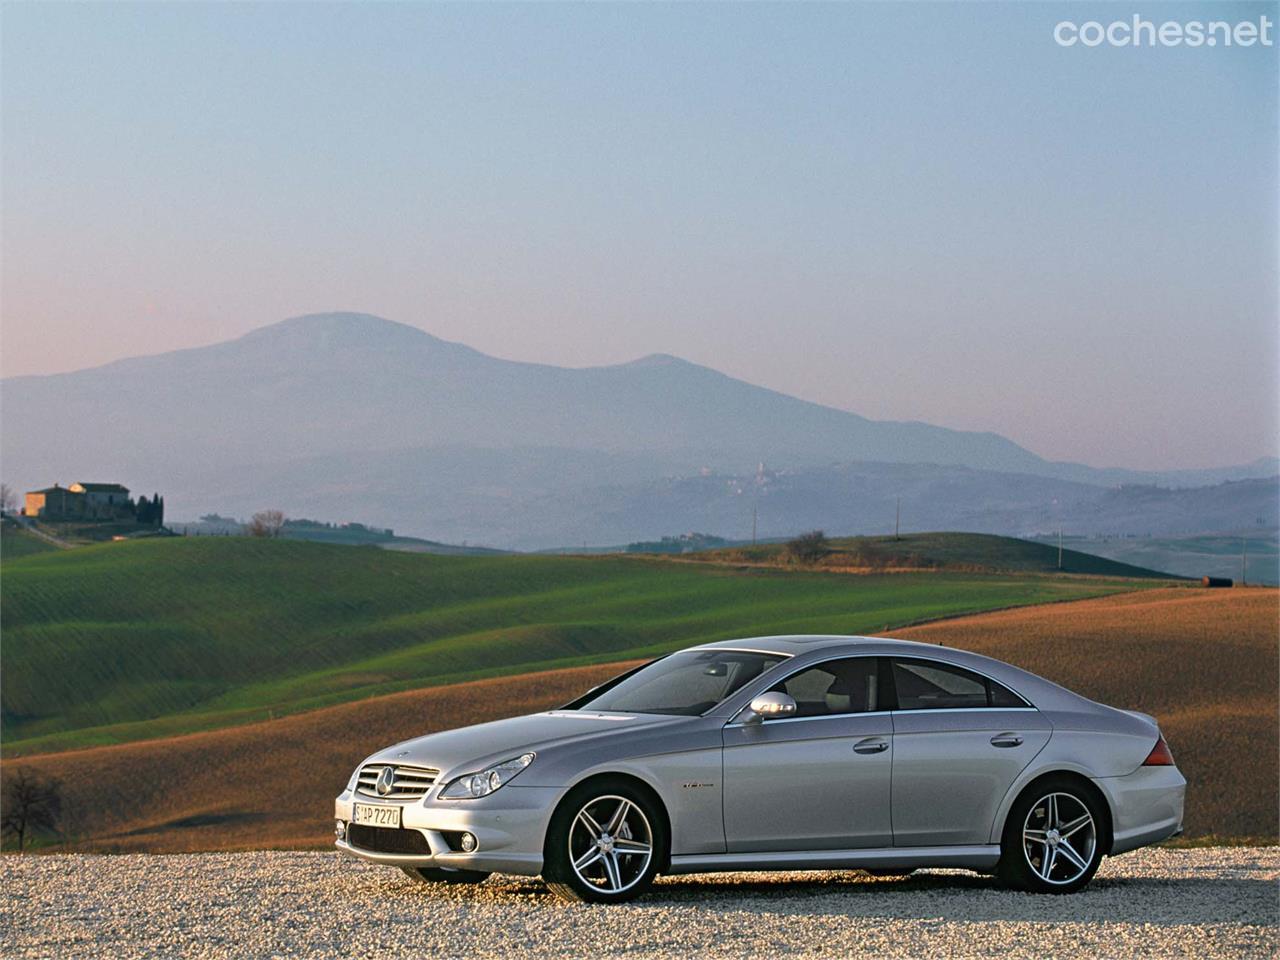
point(909, 211)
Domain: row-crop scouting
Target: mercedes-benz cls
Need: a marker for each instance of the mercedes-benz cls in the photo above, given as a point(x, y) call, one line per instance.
point(776, 753)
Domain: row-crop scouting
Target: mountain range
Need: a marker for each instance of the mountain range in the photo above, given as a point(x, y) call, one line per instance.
point(350, 416)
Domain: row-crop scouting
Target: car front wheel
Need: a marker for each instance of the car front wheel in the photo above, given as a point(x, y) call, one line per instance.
point(1051, 840)
point(605, 844)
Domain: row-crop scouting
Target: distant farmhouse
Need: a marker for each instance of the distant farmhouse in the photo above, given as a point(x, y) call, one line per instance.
point(92, 502)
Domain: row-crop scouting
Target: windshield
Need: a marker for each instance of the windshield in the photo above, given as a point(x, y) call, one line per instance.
point(687, 683)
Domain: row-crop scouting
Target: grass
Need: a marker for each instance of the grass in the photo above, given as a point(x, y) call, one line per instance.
point(1172, 652)
point(124, 641)
point(957, 552)
point(16, 542)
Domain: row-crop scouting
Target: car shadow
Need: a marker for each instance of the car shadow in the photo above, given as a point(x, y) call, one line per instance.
point(943, 895)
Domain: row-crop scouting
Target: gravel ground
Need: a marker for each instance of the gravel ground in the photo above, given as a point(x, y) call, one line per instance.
point(1216, 902)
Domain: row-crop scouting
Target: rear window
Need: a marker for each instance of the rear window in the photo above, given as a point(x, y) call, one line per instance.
point(927, 685)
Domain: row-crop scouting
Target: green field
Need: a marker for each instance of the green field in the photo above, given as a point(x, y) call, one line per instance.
point(124, 641)
point(16, 542)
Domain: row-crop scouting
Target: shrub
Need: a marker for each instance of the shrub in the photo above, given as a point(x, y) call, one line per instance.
point(808, 547)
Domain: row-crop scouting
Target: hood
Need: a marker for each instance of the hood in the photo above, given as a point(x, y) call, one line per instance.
point(466, 749)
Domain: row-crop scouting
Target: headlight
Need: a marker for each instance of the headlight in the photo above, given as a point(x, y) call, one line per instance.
point(472, 785)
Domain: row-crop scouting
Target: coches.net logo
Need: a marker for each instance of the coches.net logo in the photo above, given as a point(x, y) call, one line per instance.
point(1140, 32)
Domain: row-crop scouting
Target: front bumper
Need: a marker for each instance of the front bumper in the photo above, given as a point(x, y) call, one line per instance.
point(1146, 806)
point(509, 825)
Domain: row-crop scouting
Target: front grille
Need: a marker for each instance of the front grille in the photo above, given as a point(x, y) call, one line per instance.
point(387, 840)
point(408, 783)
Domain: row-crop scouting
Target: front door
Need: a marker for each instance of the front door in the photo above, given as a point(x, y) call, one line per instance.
point(818, 780)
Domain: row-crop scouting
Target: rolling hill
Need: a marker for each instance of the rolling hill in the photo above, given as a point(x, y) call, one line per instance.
point(16, 542)
point(1256, 556)
point(863, 497)
point(123, 641)
point(961, 552)
point(266, 785)
point(351, 416)
point(317, 531)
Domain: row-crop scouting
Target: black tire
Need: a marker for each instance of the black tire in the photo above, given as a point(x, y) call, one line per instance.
point(1054, 808)
point(616, 874)
point(444, 875)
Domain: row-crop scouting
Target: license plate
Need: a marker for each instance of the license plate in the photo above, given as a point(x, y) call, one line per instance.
point(376, 815)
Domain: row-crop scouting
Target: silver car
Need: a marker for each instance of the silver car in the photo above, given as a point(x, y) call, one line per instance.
point(776, 753)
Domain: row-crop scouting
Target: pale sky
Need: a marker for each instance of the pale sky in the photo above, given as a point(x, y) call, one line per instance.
point(920, 211)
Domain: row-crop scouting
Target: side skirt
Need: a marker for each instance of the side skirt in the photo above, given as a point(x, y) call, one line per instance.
point(971, 858)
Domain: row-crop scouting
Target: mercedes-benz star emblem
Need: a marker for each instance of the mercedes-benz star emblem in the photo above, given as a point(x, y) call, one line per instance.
point(385, 781)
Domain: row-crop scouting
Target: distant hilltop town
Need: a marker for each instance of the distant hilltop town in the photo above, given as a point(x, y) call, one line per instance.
point(92, 503)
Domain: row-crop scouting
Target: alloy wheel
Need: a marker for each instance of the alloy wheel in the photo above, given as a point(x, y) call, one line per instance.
point(610, 844)
point(1059, 838)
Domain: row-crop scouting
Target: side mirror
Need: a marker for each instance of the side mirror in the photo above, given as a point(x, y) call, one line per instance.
point(769, 706)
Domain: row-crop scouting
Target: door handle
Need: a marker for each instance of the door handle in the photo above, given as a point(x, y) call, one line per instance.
point(871, 746)
point(1006, 740)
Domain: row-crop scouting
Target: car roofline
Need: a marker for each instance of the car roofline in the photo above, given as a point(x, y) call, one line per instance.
point(795, 644)
point(809, 649)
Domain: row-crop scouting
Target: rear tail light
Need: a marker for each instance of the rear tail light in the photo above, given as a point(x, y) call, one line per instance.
point(1160, 755)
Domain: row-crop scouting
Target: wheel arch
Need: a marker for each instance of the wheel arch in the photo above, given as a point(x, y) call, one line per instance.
point(638, 783)
point(1085, 782)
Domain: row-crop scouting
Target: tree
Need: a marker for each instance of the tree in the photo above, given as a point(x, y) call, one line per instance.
point(808, 547)
point(266, 523)
point(30, 804)
point(8, 499)
point(151, 511)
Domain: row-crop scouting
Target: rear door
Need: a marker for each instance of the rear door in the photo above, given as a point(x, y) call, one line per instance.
point(959, 742)
point(819, 780)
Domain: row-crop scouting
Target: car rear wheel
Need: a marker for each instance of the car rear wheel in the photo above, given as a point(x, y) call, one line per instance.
point(605, 844)
point(1051, 840)
point(444, 875)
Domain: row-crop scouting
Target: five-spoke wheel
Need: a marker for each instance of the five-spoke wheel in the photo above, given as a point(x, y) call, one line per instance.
point(605, 844)
point(1052, 838)
point(1059, 837)
point(610, 844)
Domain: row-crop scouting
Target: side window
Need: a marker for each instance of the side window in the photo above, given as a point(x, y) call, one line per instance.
point(926, 685)
point(1004, 697)
point(834, 687)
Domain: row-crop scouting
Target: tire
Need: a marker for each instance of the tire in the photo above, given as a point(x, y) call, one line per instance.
point(444, 875)
point(605, 843)
point(1056, 823)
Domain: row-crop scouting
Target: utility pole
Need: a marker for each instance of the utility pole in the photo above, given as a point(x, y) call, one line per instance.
point(755, 512)
point(897, 519)
point(1059, 548)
